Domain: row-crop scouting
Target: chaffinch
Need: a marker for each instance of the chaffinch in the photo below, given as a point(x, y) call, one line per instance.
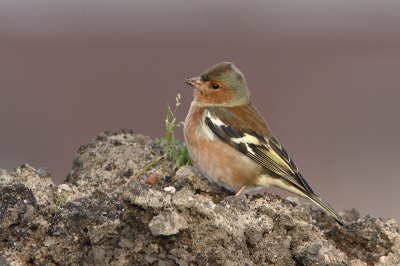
point(230, 142)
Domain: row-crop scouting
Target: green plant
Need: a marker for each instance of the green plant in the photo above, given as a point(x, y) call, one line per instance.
point(181, 156)
point(179, 152)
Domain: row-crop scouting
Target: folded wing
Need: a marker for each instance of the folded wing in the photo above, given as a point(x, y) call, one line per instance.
point(255, 142)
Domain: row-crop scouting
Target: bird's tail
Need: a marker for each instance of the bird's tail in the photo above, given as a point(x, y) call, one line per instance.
point(326, 207)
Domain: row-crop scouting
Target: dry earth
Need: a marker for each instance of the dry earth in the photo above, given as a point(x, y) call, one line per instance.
point(110, 219)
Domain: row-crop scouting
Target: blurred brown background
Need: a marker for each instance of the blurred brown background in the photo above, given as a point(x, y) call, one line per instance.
point(325, 75)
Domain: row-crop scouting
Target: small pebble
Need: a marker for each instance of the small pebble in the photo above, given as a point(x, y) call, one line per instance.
point(169, 189)
point(64, 187)
point(151, 180)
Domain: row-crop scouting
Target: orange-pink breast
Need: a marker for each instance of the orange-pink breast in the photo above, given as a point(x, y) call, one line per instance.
point(217, 160)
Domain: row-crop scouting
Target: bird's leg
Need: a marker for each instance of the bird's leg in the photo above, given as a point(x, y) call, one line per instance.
point(240, 190)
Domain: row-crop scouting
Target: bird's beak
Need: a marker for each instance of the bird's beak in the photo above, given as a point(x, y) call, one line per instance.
point(196, 83)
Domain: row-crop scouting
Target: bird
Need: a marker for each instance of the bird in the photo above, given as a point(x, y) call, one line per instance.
point(231, 143)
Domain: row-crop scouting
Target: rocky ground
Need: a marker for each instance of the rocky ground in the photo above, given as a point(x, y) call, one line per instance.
point(102, 216)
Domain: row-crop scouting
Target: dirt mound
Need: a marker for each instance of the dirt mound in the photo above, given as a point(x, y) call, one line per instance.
point(107, 218)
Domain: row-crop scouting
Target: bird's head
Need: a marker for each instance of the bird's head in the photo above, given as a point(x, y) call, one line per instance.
point(222, 84)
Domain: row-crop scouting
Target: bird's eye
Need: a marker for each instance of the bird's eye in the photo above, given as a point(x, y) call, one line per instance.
point(215, 86)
